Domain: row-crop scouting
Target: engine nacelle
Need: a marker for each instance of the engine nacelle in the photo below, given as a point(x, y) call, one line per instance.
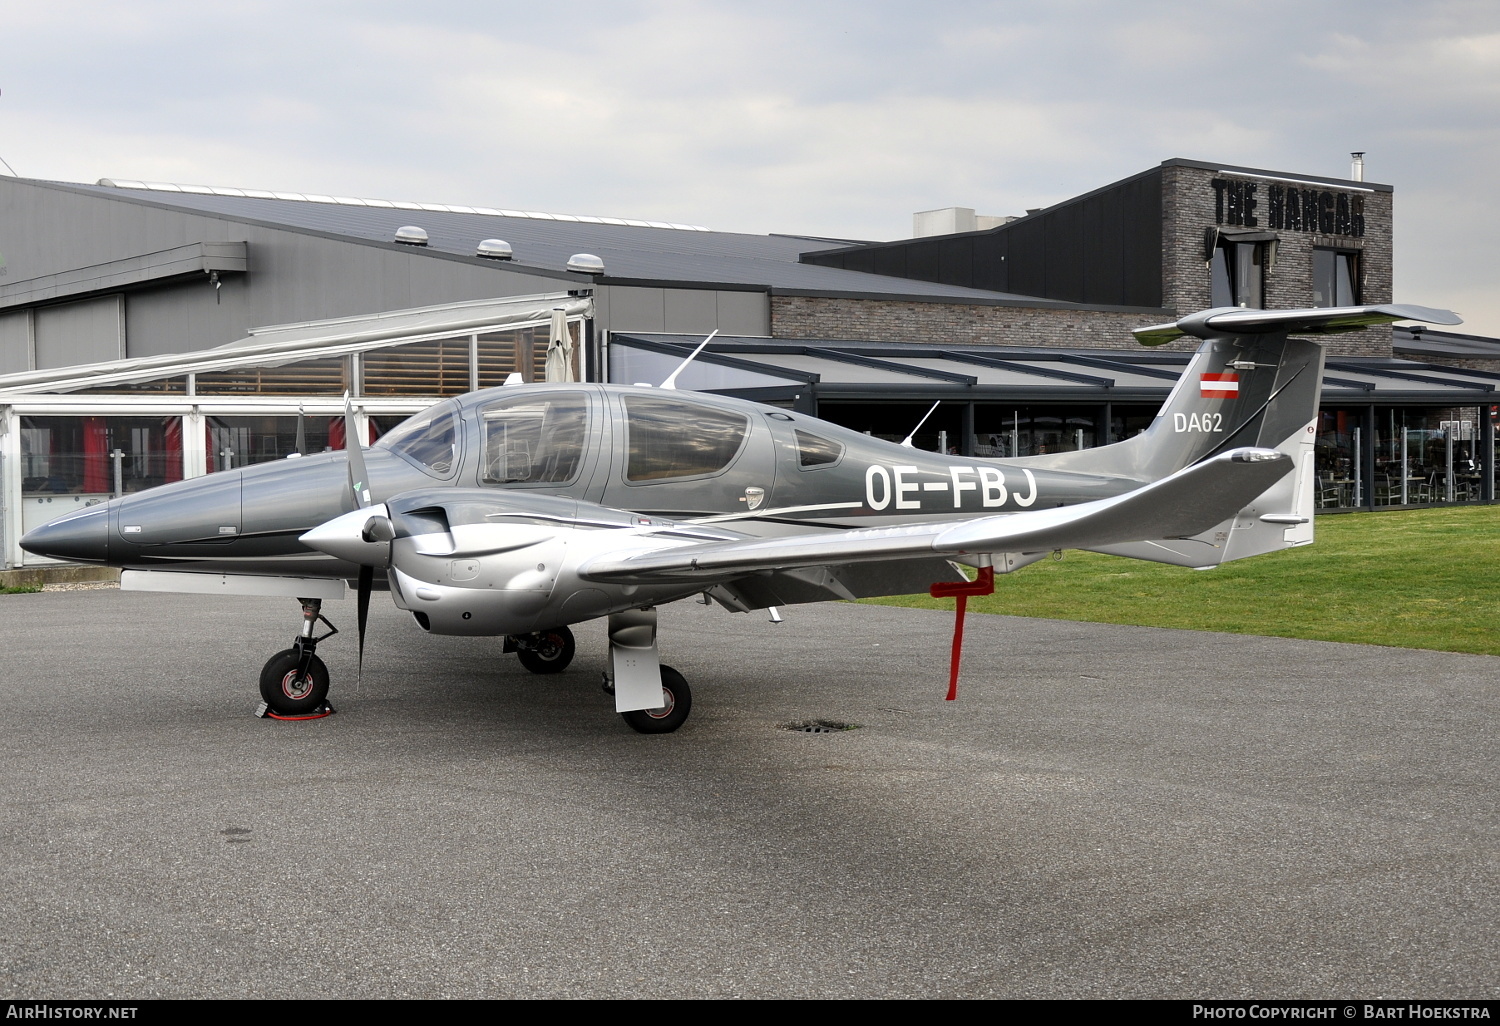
point(488, 563)
point(470, 591)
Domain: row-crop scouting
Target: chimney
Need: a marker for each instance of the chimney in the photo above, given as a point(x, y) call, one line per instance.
point(1357, 166)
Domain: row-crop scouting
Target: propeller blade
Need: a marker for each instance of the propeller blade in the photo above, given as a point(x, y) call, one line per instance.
point(359, 480)
point(366, 582)
point(301, 431)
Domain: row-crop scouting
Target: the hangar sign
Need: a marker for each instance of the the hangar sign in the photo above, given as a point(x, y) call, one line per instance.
point(1288, 208)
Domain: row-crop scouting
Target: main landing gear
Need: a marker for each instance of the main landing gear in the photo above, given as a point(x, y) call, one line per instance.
point(547, 651)
point(294, 682)
point(677, 702)
point(648, 706)
point(650, 697)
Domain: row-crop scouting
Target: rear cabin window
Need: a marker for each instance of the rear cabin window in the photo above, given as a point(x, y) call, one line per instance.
point(535, 439)
point(813, 451)
point(669, 438)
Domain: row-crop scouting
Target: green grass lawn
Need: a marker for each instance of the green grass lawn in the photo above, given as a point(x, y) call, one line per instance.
point(1416, 579)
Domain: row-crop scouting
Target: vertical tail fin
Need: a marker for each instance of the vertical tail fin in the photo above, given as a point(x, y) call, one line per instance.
point(1248, 384)
point(1255, 390)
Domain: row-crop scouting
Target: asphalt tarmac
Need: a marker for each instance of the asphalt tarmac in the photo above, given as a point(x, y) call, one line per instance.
point(1105, 812)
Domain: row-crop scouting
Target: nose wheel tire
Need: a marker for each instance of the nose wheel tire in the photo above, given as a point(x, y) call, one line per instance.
point(677, 700)
point(285, 691)
point(546, 651)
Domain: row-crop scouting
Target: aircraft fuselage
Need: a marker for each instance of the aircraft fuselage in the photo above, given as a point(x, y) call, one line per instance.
point(678, 455)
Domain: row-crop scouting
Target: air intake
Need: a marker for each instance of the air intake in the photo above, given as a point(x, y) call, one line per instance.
point(495, 249)
point(585, 263)
point(411, 235)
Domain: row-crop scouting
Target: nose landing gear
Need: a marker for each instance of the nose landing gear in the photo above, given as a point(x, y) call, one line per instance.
point(294, 682)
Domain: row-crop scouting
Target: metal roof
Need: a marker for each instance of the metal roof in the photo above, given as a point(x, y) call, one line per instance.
point(277, 345)
point(869, 370)
point(1418, 341)
point(633, 253)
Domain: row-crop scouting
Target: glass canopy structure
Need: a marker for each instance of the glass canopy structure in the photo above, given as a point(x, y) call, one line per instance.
point(79, 435)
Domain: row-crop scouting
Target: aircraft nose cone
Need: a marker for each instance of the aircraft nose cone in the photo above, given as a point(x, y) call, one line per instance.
point(362, 537)
point(81, 537)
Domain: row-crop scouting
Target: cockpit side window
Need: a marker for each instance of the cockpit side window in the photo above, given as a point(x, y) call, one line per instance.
point(814, 451)
point(534, 439)
point(670, 438)
point(429, 439)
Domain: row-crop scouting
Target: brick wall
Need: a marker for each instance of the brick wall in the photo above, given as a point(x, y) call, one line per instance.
point(1189, 207)
point(954, 323)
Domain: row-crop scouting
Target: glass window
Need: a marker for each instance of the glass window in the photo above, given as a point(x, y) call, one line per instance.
point(234, 441)
point(939, 430)
point(160, 386)
point(435, 367)
point(672, 438)
point(1428, 455)
point(1335, 278)
point(1338, 458)
point(503, 353)
point(429, 439)
point(1010, 431)
point(813, 451)
point(76, 455)
point(308, 377)
point(1237, 274)
point(534, 439)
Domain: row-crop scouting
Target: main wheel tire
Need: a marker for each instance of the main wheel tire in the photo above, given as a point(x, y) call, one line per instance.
point(679, 702)
point(552, 652)
point(284, 693)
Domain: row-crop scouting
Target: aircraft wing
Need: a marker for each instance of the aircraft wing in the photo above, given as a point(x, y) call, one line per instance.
point(1187, 503)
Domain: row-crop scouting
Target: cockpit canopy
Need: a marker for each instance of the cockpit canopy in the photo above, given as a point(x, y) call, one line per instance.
point(429, 439)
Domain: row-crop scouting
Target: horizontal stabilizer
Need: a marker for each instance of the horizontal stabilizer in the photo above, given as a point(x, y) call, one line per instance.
point(1223, 321)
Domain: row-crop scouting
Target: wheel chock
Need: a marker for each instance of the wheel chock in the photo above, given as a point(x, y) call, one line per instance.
point(263, 711)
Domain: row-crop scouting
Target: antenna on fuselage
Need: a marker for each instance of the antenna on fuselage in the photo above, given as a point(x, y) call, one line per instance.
point(914, 430)
point(671, 381)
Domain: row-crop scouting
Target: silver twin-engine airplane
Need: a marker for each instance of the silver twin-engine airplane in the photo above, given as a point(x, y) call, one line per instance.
point(519, 510)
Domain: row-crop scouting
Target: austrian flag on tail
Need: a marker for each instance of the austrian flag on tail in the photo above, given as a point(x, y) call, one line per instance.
point(1220, 386)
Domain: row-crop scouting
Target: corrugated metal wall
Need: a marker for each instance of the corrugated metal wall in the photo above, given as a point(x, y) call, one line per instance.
point(1102, 248)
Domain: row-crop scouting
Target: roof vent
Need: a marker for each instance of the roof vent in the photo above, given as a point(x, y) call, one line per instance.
point(411, 235)
point(495, 249)
point(585, 263)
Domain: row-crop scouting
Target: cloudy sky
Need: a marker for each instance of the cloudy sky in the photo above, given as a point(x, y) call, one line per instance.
point(818, 118)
